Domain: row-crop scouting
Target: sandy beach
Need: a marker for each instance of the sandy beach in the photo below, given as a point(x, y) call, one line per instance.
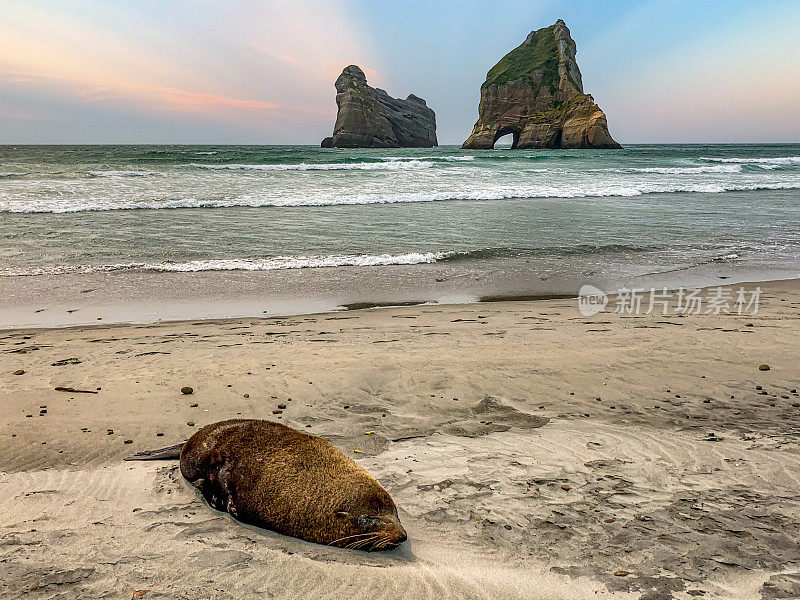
point(474, 300)
point(533, 452)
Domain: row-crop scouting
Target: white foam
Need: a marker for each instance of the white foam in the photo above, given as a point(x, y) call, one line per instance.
point(467, 158)
point(368, 166)
point(242, 264)
point(124, 173)
point(691, 170)
point(780, 160)
point(331, 198)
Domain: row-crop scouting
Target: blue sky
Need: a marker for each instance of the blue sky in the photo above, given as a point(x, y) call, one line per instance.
point(262, 71)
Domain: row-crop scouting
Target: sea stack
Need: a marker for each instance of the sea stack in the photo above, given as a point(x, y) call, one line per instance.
point(536, 94)
point(369, 118)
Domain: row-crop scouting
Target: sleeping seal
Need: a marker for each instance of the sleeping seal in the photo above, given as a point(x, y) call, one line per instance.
point(272, 476)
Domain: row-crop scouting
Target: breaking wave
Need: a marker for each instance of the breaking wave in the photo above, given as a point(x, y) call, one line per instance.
point(691, 170)
point(396, 165)
point(466, 158)
point(276, 263)
point(241, 264)
point(542, 191)
point(780, 160)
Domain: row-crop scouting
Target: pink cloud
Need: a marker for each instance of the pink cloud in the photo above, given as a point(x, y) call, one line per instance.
point(188, 98)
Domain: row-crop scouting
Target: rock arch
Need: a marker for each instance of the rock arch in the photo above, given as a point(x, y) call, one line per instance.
point(508, 130)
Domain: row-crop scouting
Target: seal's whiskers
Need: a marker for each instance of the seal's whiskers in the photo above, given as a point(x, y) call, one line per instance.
point(347, 537)
point(361, 543)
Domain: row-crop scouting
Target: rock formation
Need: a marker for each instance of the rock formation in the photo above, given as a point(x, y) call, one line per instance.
point(536, 93)
point(369, 118)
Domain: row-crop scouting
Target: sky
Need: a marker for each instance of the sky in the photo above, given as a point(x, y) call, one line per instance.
point(262, 71)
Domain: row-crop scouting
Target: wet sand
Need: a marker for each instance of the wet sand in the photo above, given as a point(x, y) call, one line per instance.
point(141, 296)
point(533, 452)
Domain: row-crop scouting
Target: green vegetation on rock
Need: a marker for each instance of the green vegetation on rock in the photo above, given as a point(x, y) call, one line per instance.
point(540, 54)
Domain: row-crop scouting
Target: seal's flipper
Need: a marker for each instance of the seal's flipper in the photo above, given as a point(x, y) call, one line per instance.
point(168, 453)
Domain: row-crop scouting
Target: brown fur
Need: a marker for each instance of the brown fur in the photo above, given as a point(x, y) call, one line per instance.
point(275, 477)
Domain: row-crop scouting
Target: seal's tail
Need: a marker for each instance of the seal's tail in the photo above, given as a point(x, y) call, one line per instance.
point(168, 453)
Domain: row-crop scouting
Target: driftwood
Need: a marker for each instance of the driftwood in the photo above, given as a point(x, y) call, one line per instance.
point(74, 391)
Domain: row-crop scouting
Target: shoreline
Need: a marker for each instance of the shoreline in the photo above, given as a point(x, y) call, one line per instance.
point(151, 297)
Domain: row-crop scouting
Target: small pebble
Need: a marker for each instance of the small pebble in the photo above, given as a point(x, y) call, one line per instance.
point(507, 527)
point(566, 488)
point(621, 573)
point(609, 520)
point(193, 405)
point(758, 387)
point(247, 395)
point(186, 390)
point(159, 434)
point(277, 412)
point(128, 442)
point(281, 406)
point(19, 372)
point(763, 367)
point(190, 423)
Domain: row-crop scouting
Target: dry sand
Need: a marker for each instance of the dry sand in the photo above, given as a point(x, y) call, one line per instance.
point(533, 453)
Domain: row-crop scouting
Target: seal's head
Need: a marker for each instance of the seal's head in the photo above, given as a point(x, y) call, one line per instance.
point(371, 524)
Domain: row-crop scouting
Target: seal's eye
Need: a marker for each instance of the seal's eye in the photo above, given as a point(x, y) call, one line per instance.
point(342, 514)
point(366, 522)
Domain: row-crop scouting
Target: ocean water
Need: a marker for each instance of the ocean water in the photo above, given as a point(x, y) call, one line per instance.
point(540, 213)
